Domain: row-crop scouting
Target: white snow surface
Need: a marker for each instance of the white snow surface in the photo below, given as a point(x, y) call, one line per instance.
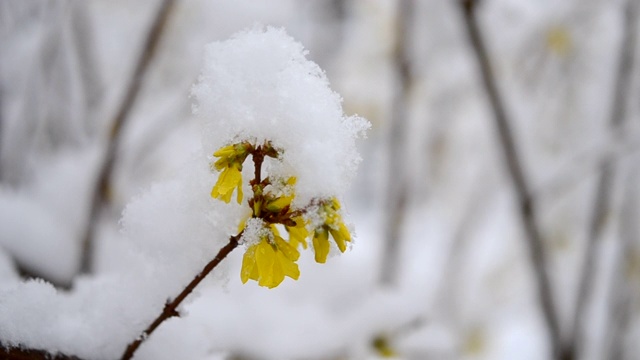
point(174, 228)
point(169, 233)
point(42, 219)
point(259, 86)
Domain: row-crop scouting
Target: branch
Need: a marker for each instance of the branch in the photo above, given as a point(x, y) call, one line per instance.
point(18, 353)
point(102, 187)
point(170, 309)
point(621, 144)
point(526, 204)
point(448, 290)
point(396, 179)
point(623, 283)
point(604, 185)
point(2, 130)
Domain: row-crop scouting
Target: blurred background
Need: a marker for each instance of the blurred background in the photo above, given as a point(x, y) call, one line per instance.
point(496, 208)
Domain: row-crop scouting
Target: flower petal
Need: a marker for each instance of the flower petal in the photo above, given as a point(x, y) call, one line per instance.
point(287, 250)
point(248, 264)
point(289, 267)
point(321, 245)
point(229, 180)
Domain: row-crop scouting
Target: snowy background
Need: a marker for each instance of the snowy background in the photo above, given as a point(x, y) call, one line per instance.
point(441, 265)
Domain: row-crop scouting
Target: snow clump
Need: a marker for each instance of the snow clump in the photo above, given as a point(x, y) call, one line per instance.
point(258, 86)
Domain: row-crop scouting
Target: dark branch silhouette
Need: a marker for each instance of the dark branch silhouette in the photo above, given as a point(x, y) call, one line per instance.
point(102, 188)
point(170, 309)
point(20, 353)
point(525, 202)
point(604, 187)
point(396, 179)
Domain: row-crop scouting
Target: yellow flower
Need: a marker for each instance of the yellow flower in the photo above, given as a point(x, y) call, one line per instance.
point(231, 154)
point(269, 261)
point(321, 244)
point(278, 204)
point(334, 225)
point(340, 236)
point(298, 234)
point(383, 348)
point(229, 180)
point(559, 41)
point(230, 163)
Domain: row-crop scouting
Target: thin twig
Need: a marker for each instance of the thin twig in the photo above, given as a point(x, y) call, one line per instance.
point(621, 284)
point(602, 203)
point(2, 130)
point(526, 204)
point(622, 144)
point(170, 309)
point(101, 190)
point(396, 179)
point(448, 292)
point(92, 85)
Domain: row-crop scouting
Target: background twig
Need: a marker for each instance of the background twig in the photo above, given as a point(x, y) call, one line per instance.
point(526, 205)
point(622, 284)
point(396, 178)
point(604, 187)
point(102, 188)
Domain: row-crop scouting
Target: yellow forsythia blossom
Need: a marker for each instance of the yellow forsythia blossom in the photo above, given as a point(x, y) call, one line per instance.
point(298, 234)
point(321, 244)
point(559, 41)
point(334, 225)
point(230, 163)
point(229, 180)
point(383, 348)
point(269, 261)
point(279, 203)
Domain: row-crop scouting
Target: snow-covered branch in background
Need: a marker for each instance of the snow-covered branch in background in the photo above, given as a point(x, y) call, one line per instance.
point(258, 98)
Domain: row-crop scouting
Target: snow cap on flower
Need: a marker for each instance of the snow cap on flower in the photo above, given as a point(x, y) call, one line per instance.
point(258, 86)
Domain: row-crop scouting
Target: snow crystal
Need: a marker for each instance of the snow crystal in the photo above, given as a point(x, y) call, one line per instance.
point(259, 86)
point(254, 231)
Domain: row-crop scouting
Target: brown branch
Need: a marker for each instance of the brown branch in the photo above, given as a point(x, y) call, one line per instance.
point(19, 353)
point(101, 190)
point(258, 158)
point(396, 178)
point(2, 130)
point(623, 284)
point(170, 309)
point(526, 204)
point(604, 187)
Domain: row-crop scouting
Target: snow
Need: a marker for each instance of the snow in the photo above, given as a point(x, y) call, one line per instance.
point(169, 233)
point(173, 228)
point(258, 86)
point(465, 287)
point(41, 220)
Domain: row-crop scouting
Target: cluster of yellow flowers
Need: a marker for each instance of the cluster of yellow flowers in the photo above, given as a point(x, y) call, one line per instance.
point(230, 163)
point(272, 258)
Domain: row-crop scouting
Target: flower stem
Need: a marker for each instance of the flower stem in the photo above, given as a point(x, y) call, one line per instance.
point(170, 309)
